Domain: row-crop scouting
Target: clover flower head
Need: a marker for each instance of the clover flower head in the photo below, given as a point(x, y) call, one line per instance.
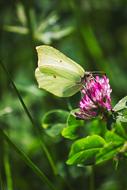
point(96, 98)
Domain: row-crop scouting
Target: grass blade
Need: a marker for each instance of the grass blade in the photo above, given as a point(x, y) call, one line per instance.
point(36, 128)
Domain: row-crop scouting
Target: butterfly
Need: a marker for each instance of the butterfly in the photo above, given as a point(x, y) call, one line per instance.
point(57, 73)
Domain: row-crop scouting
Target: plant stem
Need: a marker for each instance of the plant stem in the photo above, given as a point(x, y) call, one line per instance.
point(1, 182)
point(91, 179)
point(7, 168)
point(29, 12)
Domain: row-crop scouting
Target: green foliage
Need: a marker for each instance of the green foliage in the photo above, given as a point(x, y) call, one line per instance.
point(108, 152)
point(54, 121)
point(73, 125)
point(27, 160)
point(112, 137)
point(112, 148)
point(84, 151)
point(45, 31)
point(96, 126)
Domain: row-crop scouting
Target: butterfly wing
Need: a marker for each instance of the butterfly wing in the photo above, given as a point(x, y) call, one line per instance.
point(56, 85)
point(57, 73)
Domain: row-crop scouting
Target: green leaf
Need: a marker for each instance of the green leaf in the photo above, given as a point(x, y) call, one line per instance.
point(112, 148)
point(48, 36)
point(96, 126)
point(85, 150)
point(16, 29)
point(112, 137)
point(48, 21)
point(21, 13)
point(122, 104)
point(120, 130)
point(54, 121)
point(108, 152)
point(73, 125)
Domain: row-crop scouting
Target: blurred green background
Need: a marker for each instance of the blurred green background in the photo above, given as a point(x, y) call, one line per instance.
point(94, 34)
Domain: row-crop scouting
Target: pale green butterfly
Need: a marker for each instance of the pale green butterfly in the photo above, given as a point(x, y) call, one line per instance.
point(57, 73)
